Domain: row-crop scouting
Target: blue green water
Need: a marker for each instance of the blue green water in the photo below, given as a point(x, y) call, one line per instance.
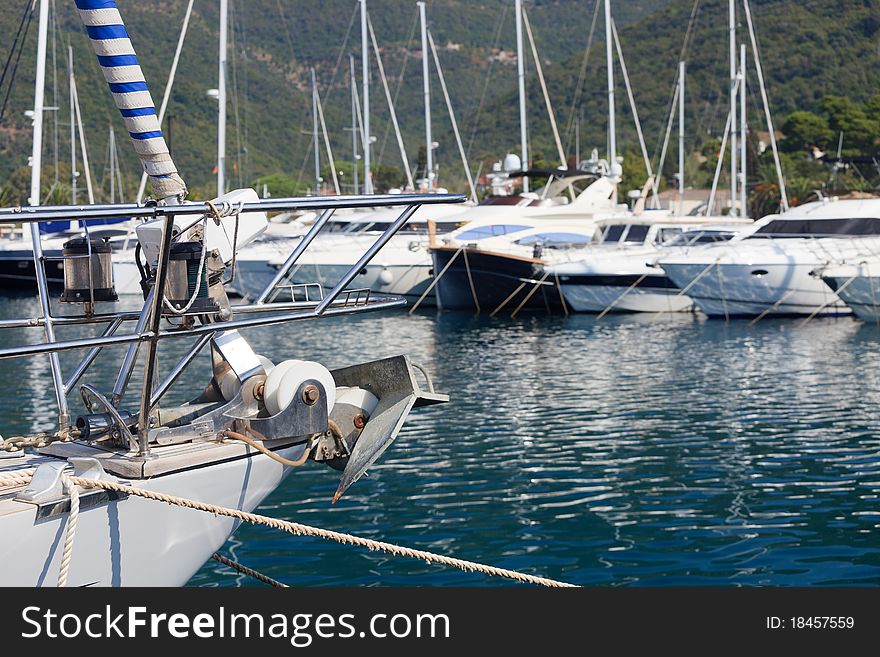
point(622, 451)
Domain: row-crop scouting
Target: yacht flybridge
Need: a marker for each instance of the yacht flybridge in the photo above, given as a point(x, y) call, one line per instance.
point(244, 429)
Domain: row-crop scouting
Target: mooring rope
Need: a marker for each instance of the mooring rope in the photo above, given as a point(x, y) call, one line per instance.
point(435, 281)
point(687, 287)
point(507, 300)
point(773, 308)
point(622, 294)
point(70, 531)
point(530, 295)
point(298, 529)
point(561, 295)
point(836, 298)
point(250, 572)
point(467, 268)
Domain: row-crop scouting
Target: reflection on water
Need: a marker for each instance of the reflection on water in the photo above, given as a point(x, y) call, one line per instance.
point(624, 451)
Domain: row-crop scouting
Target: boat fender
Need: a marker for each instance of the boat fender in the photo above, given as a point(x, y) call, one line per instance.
point(386, 277)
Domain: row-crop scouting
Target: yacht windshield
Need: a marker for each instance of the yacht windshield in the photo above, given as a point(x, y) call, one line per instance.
point(636, 234)
point(419, 228)
point(482, 232)
point(782, 228)
point(699, 237)
point(556, 240)
point(613, 233)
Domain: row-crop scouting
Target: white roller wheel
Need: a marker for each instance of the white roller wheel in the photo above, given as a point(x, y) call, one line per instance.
point(268, 365)
point(285, 380)
point(229, 383)
point(273, 385)
point(359, 398)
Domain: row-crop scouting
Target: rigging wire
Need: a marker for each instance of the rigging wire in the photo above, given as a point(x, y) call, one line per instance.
point(481, 104)
point(236, 20)
point(409, 40)
point(27, 19)
point(673, 96)
point(582, 78)
point(342, 51)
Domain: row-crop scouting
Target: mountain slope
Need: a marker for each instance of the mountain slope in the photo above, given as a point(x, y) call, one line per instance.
point(809, 48)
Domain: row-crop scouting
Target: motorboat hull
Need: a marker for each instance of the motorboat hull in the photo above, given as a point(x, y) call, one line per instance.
point(17, 271)
point(748, 290)
point(623, 293)
point(859, 290)
point(492, 281)
point(17, 267)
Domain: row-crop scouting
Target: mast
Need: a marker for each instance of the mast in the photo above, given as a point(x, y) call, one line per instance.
point(36, 167)
point(743, 130)
point(612, 136)
point(354, 124)
point(221, 99)
point(759, 70)
point(426, 77)
point(521, 73)
point(365, 63)
point(681, 76)
point(73, 173)
point(112, 159)
point(315, 134)
point(733, 100)
point(56, 106)
point(167, 95)
point(39, 105)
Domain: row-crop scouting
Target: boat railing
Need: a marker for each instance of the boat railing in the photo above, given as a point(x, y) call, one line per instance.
point(148, 331)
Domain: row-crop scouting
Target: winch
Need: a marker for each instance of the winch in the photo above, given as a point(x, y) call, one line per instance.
point(187, 284)
point(88, 271)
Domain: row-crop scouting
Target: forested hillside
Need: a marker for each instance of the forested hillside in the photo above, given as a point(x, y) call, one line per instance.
point(810, 49)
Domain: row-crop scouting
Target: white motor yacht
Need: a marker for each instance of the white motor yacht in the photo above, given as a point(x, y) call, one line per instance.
point(858, 285)
point(767, 269)
point(620, 273)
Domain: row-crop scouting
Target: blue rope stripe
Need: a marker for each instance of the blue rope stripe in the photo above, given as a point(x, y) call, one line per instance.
point(104, 32)
point(122, 72)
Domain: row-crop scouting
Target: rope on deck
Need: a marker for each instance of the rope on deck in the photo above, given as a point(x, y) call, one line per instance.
point(298, 529)
point(250, 572)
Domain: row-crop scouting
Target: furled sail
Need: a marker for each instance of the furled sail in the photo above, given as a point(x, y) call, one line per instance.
point(123, 73)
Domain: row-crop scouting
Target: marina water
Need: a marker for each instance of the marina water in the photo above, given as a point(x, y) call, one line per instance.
point(632, 450)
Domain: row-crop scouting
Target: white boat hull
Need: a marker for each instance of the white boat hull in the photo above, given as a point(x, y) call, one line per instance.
point(859, 290)
point(135, 541)
point(748, 290)
point(597, 298)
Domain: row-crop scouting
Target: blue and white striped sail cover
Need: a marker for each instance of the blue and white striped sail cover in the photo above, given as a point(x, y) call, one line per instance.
point(123, 73)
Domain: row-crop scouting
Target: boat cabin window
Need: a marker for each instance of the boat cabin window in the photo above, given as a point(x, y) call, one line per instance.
point(556, 240)
point(690, 237)
point(502, 200)
point(636, 234)
point(782, 228)
point(667, 234)
point(613, 233)
point(482, 232)
point(419, 228)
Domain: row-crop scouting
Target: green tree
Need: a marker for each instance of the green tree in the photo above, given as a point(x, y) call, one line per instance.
point(860, 133)
point(803, 130)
